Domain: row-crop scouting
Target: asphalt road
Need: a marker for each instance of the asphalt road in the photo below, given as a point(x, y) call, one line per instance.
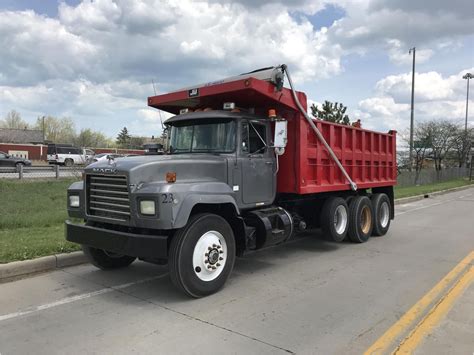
point(307, 296)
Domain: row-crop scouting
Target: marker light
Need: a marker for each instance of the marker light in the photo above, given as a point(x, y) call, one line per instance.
point(272, 113)
point(74, 201)
point(147, 207)
point(170, 177)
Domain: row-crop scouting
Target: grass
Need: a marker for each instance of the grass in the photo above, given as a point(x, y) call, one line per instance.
point(32, 215)
point(426, 189)
point(28, 243)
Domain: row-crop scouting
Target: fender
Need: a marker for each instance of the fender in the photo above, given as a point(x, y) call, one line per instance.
point(202, 193)
point(176, 200)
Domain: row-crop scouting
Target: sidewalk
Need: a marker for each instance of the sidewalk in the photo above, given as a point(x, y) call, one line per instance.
point(455, 333)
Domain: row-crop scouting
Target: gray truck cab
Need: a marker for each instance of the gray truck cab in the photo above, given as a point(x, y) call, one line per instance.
point(220, 166)
point(241, 141)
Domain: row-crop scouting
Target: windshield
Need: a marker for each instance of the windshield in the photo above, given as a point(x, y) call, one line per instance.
point(203, 136)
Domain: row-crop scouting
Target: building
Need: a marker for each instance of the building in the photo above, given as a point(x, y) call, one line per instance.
point(23, 143)
point(21, 136)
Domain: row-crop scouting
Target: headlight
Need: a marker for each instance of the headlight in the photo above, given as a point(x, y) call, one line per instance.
point(147, 207)
point(74, 201)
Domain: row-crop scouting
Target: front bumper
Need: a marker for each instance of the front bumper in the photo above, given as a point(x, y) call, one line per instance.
point(139, 245)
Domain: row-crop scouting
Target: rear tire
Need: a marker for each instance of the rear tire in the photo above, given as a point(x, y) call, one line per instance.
point(335, 218)
point(69, 162)
point(202, 255)
point(18, 166)
point(360, 219)
point(381, 205)
point(106, 260)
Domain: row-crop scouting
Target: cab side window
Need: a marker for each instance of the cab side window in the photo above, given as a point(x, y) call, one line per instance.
point(253, 137)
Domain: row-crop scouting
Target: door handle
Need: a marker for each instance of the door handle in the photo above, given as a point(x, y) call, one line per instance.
point(269, 162)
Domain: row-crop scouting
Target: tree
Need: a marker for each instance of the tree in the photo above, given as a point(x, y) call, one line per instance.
point(123, 138)
point(441, 136)
point(421, 148)
point(57, 130)
point(332, 112)
point(90, 138)
point(462, 143)
point(13, 120)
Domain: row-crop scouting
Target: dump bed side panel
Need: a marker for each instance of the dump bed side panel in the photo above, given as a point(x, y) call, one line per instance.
point(306, 167)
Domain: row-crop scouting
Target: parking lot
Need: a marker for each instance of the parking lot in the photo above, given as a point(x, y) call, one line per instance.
point(306, 296)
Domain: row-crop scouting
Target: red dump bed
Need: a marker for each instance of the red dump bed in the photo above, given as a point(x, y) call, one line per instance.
point(306, 167)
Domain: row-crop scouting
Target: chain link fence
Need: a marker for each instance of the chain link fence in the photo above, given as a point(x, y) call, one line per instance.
point(431, 176)
point(405, 177)
point(41, 172)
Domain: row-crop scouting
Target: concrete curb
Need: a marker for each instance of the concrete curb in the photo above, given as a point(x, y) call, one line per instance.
point(401, 201)
point(19, 269)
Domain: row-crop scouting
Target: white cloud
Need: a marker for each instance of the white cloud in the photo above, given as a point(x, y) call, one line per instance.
point(398, 53)
point(429, 86)
point(149, 120)
point(436, 97)
point(36, 48)
point(400, 25)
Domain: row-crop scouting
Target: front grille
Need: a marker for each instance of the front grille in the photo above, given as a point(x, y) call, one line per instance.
point(107, 197)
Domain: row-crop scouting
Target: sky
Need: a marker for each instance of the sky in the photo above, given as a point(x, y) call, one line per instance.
point(94, 61)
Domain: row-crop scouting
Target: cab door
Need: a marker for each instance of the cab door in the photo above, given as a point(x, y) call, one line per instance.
point(258, 164)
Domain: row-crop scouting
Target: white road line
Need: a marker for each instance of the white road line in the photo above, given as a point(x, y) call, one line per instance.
point(75, 298)
point(428, 206)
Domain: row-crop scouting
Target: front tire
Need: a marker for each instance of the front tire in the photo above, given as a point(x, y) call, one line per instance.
point(202, 255)
point(69, 162)
point(106, 260)
point(360, 219)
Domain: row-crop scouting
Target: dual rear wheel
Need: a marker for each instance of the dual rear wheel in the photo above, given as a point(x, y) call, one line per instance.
point(358, 219)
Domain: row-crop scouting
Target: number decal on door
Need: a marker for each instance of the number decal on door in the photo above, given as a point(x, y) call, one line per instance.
point(167, 198)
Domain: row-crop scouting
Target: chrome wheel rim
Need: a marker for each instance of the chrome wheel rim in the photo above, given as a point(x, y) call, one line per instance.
point(209, 256)
point(384, 214)
point(340, 219)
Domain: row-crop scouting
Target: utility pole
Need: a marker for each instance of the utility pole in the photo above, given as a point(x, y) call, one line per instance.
point(412, 50)
point(467, 76)
point(466, 137)
point(44, 135)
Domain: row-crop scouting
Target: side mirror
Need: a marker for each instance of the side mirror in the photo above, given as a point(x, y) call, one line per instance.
point(7, 156)
point(280, 139)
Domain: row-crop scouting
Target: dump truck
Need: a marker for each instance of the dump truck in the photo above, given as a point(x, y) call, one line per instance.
point(245, 168)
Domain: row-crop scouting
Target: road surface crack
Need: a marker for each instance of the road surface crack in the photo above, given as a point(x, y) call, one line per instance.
point(207, 322)
point(184, 314)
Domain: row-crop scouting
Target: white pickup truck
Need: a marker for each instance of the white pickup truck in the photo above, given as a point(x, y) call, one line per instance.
point(68, 155)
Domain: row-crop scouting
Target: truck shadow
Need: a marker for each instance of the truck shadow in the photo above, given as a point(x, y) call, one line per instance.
point(252, 264)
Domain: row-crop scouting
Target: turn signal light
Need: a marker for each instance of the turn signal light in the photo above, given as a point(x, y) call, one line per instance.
point(170, 177)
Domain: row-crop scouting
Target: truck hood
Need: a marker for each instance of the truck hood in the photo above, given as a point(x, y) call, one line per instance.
point(153, 168)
